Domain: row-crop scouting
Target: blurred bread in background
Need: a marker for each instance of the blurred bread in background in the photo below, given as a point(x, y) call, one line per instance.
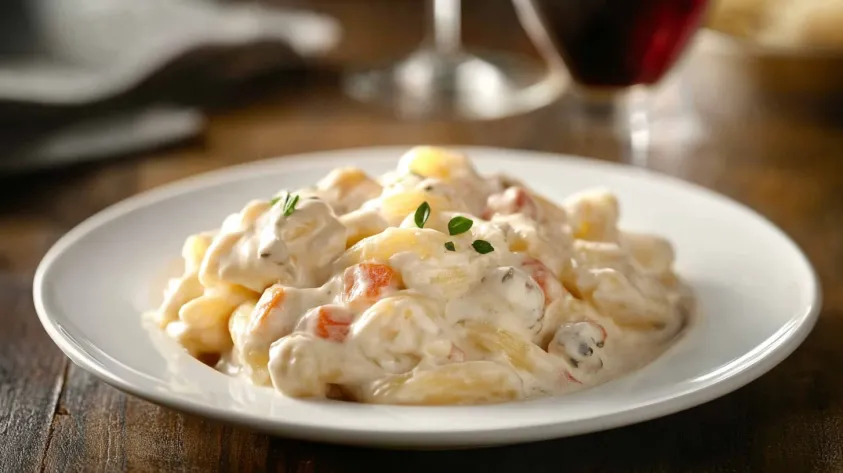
point(782, 23)
point(756, 56)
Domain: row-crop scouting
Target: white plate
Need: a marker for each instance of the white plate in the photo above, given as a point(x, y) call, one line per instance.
point(758, 298)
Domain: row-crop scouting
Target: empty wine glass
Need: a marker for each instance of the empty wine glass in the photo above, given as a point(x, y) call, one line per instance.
point(442, 79)
point(616, 52)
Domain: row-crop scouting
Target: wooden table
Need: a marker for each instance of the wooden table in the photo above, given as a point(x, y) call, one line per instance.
point(56, 417)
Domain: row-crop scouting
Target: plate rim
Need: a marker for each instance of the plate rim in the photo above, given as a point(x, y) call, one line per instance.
point(776, 348)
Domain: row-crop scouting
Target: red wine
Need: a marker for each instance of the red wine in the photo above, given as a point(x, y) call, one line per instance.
point(618, 43)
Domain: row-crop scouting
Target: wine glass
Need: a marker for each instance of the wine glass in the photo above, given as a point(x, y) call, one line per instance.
point(616, 52)
point(441, 79)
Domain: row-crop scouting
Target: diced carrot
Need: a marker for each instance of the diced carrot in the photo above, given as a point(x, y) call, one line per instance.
point(333, 323)
point(545, 278)
point(271, 299)
point(365, 283)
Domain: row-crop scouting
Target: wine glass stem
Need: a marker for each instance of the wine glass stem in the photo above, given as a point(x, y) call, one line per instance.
point(445, 23)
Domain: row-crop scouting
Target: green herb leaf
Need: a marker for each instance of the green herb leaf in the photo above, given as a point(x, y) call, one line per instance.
point(277, 198)
point(450, 246)
point(482, 246)
point(459, 225)
point(290, 205)
point(422, 214)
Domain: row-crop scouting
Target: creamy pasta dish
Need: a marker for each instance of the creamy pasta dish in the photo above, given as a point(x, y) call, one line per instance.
point(430, 284)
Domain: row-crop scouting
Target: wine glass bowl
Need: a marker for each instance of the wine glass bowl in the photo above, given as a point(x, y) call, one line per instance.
point(616, 52)
point(620, 43)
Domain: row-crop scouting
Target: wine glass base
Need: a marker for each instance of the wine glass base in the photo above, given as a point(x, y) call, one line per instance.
point(634, 124)
point(467, 85)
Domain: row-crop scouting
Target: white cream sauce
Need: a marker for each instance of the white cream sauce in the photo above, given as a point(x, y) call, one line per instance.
point(342, 295)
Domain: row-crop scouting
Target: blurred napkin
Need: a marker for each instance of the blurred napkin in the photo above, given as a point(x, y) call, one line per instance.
point(72, 72)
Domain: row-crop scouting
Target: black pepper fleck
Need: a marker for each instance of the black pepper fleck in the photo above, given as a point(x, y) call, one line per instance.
point(510, 273)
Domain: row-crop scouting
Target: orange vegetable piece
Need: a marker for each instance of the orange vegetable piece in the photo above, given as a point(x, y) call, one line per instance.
point(333, 323)
point(365, 283)
point(271, 299)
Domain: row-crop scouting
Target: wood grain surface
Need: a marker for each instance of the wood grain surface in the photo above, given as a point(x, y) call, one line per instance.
point(56, 417)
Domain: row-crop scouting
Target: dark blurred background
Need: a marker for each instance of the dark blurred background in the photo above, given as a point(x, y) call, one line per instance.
point(94, 79)
point(86, 79)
